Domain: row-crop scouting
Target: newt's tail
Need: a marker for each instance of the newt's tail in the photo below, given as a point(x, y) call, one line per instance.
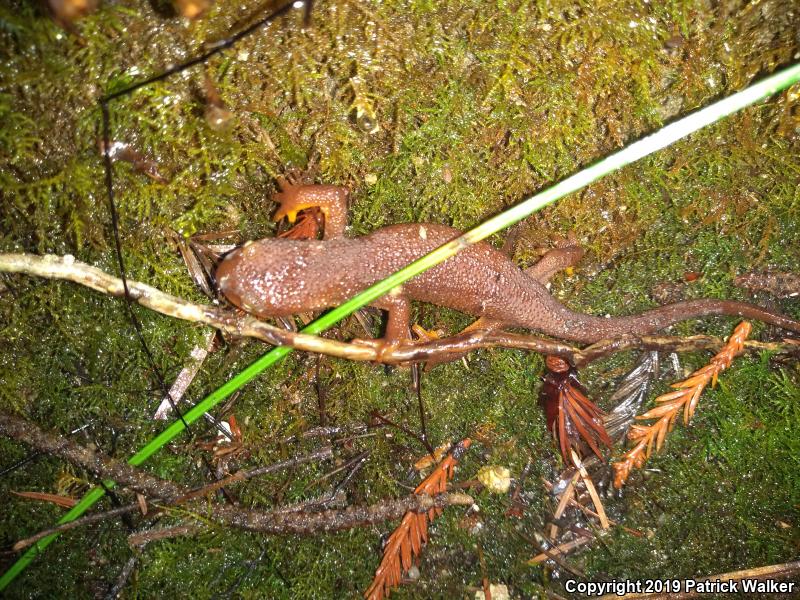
point(588, 328)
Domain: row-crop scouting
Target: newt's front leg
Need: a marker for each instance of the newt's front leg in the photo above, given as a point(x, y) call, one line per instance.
point(331, 199)
point(398, 309)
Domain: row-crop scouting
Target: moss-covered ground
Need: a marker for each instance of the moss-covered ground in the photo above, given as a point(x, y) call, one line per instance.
point(478, 104)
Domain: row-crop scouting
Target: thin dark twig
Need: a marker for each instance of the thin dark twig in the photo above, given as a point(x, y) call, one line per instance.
point(357, 460)
point(322, 454)
point(109, 179)
point(248, 571)
point(421, 405)
point(321, 393)
point(406, 430)
point(123, 578)
point(140, 540)
point(327, 431)
point(36, 453)
point(87, 520)
point(360, 461)
point(217, 482)
point(113, 497)
point(20, 463)
point(215, 48)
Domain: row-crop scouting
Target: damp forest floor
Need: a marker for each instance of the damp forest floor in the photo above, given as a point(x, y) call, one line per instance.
point(445, 112)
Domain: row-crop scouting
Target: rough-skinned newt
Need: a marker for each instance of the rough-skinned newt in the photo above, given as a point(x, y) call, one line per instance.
point(280, 277)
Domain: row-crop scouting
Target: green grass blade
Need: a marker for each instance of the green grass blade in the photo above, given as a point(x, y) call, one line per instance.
point(76, 511)
point(648, 145)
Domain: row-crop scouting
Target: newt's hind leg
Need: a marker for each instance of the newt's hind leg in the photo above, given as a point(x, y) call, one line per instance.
point(554, 261)
point(331, 200)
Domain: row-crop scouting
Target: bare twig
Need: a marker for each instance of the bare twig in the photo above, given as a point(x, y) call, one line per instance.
point(327, 431)
point(560, 550)
point(322, 454)
point(123, 578)
point(589, 512)
point(87, 520)
point(103, 466)
point(280, 521)
point(138, 540)
point(272, 522)
point(67, 268)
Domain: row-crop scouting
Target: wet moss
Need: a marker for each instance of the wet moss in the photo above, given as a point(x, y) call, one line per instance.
point(478, 105)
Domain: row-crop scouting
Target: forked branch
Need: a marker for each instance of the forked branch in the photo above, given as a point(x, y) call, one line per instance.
point(69, 269)
point(167, 493)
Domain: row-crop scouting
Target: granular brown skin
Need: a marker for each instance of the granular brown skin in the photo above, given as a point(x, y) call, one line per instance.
point(280, 277)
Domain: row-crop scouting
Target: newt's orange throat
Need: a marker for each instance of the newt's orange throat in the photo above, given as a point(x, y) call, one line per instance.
point(279, 277)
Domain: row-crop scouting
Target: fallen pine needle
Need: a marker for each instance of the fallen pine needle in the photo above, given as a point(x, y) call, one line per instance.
point(407, 539)
point(601, 512)
point(669, 405)
point(590, 513)
point(63, 501)
point(560, 550)
point(566, 497)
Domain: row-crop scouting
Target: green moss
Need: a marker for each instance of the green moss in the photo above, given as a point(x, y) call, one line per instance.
point(732, 485)
point(479, 104)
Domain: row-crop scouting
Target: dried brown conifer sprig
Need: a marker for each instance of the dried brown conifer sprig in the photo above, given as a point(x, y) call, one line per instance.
point(669, 405)
point(573, 419)
point(407, 539)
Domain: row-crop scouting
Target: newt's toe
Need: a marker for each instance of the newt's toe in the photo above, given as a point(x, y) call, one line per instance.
point(289, 207)
point(296, 198)
point(425, 335)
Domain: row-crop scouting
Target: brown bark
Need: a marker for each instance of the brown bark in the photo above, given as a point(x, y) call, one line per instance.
point(278, 521)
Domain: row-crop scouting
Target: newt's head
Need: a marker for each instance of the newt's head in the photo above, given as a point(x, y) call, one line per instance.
point(273, 277)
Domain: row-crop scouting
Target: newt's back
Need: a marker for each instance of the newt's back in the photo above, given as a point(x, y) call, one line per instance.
point(278, 277)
